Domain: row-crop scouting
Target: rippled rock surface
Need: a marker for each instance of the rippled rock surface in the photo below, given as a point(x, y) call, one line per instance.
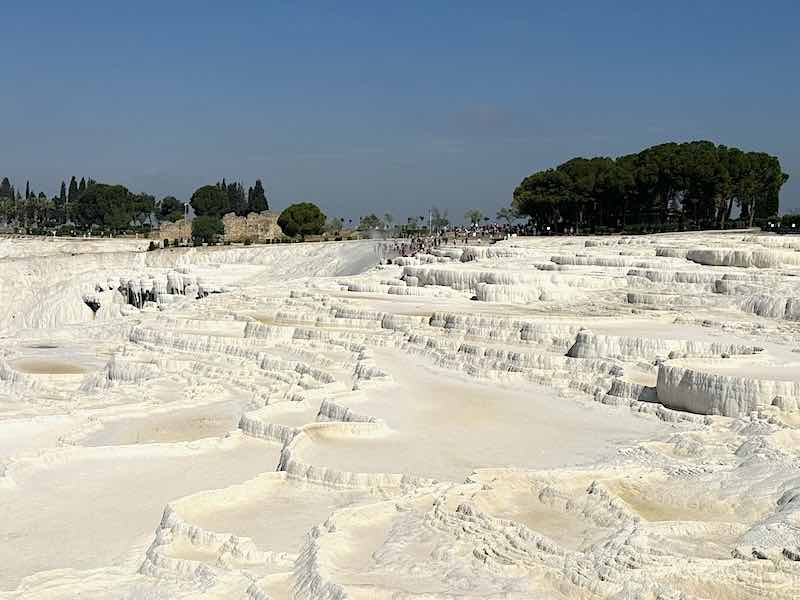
point(555, 417)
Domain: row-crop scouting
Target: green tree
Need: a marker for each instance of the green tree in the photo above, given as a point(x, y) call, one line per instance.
point(207, 228)
point(371, 221)
point(473, 216)
point(143, 206)
point(439, 219)
point(668, 185)
point(509, 215)
point(110, 206)
point(334, 225)
point(257, 202)
point(236, 198)
point(6, 209)
point(170, 209)
point(303, 218)
point(790, 221)
point(210, 200)
point(72, 195)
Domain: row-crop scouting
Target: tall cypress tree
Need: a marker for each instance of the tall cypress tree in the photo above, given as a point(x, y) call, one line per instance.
point(258, 201)
point(73, 190)
point(240, 201)
point(27, 190)
point(82, 185)
point(62, 195)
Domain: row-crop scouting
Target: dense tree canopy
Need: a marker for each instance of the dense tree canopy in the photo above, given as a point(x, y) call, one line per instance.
point(210, 200)
point(256, 198)
point(371, 221)
point(81, 206)
point(85, 204)
point(206, 228)
point(695, 184)
point(224, 197)
point(236, 198)
point(170, 209)
point(439, 219)
point(303, 218)
point(509, 215)
point(109, 206)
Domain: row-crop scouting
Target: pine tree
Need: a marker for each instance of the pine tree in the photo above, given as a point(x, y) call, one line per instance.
point(62, 195)
point(27, 190)
point(82, 185)
point(6, 189)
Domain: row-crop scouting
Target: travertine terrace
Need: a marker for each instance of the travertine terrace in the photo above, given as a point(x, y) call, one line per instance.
point(553, 417)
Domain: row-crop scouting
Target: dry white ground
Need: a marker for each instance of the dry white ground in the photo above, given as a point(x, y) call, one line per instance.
point(613, 417)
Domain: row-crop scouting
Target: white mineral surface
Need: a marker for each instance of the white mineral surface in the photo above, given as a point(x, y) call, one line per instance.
point(577, 417)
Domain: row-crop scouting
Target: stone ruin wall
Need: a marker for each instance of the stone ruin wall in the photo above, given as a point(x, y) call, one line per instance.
point(179, 230)
point(257, 227)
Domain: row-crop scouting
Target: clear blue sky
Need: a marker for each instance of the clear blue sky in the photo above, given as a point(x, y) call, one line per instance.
point(384, 106)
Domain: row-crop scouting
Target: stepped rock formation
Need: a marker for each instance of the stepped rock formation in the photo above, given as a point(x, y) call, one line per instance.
point(557, 417)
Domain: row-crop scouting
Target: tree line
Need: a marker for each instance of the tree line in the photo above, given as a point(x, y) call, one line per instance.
point(87, 204)
point(669, 186)
point(222, 198)
point(436, 219)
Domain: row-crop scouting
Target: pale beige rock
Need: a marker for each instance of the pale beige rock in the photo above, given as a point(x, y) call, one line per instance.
point(256, 227)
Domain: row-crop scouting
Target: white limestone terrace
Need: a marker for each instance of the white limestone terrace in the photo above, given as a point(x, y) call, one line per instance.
point(577, 417)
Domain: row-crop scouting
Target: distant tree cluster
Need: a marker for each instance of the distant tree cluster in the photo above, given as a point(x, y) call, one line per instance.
point(694, 184)
point(83, 205)
point(112, 207)
point(31, 210)
point(439, 220)
point(371, 221)
point(222, 197)
point(473, 217)
point(170, 209)
point(334, 225)
point(414, 226)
